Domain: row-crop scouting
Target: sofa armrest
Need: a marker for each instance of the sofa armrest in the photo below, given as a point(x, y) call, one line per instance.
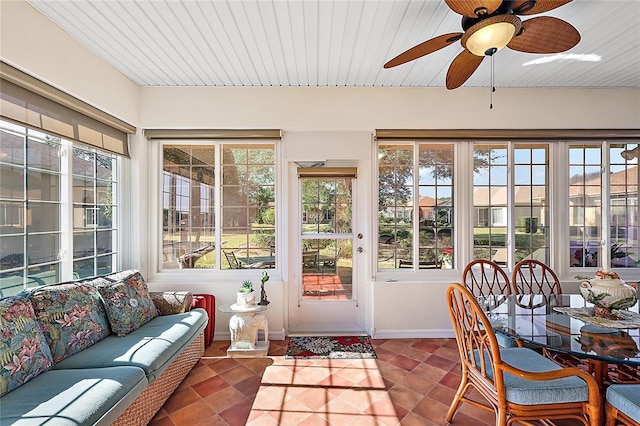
point(172, 302)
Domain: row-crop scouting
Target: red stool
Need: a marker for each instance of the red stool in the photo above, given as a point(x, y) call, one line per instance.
point(208, 303)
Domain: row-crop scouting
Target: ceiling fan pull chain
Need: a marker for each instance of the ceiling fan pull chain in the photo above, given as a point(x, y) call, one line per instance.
point(493, 86)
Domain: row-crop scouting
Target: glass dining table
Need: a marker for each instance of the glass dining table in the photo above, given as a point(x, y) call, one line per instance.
point(611, 353)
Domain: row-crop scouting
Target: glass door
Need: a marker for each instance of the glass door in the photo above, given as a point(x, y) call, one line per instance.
point(325, 292)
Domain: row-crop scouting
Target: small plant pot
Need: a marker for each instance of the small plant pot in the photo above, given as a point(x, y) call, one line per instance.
point(244, 299)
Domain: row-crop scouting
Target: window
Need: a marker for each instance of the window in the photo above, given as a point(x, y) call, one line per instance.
point(508, 207)
point(603, 181)
point(525, 192)
point(493, 186)
point(490, 201)
point(94, 212)
point(245, 234)
point(624, 227)
point(44, 238)
point(585, 203)
point(415, 210)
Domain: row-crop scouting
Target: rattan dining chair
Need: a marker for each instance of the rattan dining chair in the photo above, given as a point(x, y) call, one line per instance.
point(623, 405)
point(532, 276)
point(484, 277)
point(519, 384)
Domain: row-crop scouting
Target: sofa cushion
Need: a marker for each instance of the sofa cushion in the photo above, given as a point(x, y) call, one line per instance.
point(151, 347)
point(74, 397)
point(71, 316)
point(129, 305)
point(24, 353)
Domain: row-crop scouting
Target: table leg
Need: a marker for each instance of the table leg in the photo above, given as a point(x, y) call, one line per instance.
point(599, 370)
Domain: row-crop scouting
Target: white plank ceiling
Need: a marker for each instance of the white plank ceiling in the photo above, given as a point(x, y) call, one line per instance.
point(334, 43)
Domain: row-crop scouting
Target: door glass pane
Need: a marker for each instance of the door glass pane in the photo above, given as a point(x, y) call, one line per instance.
point(326, 205)
point(327, 269)
point(327, 260)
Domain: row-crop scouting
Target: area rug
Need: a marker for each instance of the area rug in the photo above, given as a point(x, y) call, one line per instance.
point(330, 347)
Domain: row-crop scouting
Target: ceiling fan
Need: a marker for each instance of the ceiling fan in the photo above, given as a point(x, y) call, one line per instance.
point(490, 25)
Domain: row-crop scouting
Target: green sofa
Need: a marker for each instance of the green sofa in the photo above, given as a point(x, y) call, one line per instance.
point(96, 351)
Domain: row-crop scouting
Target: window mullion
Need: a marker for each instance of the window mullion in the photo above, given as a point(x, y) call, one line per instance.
point(511, 225)
point(605, 261)
point(416, 206)
point(66, 211)
point(217, 203)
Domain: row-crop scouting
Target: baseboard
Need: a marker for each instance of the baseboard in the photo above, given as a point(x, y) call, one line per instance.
point(375, 334)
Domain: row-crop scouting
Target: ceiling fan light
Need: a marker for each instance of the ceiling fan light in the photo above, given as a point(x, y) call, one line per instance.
point(491, 34)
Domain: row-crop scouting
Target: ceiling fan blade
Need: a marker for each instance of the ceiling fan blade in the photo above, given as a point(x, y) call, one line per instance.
point(545, 34)
point(470, 7)
point(528, 7)
point(461, 69)
point(424, 48)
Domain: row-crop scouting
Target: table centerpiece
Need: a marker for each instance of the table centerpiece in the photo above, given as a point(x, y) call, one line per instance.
point(608, 294)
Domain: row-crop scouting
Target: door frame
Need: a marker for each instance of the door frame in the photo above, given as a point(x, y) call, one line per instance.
point(322, 316)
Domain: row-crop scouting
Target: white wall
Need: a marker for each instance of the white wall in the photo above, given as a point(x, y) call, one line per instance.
point(32, 43)
point(35, 45)
point(326, 108)
point(400, 309)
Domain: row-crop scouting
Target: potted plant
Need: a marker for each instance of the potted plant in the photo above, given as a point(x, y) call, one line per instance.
point(245, 294)
point(446, 258)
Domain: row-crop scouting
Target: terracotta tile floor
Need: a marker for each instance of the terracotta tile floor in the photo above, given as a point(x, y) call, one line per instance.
point(412, 382)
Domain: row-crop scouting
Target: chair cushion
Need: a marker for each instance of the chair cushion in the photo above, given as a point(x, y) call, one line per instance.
point(506, 341)
point(71, 316)
point(129, 305)
point(625, 398)
point(74, 397)
point(152, 347)
point(533, 392)
point(24, 353)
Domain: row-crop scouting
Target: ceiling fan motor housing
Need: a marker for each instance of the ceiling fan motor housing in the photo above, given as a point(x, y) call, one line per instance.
point(491, 34)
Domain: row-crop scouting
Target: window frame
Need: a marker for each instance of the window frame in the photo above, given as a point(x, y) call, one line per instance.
point(156, 211)
point(558, 196)
point(62, 262)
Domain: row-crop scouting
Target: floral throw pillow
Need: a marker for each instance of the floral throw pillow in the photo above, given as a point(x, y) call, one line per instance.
point(129, 305)
point(71, 316)
point(23, 350)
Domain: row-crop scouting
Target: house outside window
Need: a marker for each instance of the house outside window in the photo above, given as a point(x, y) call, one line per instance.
point(218, 205)
point(57, 209)
point(603, 182)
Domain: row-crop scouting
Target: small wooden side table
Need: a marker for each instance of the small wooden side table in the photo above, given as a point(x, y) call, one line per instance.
point(244, 326)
